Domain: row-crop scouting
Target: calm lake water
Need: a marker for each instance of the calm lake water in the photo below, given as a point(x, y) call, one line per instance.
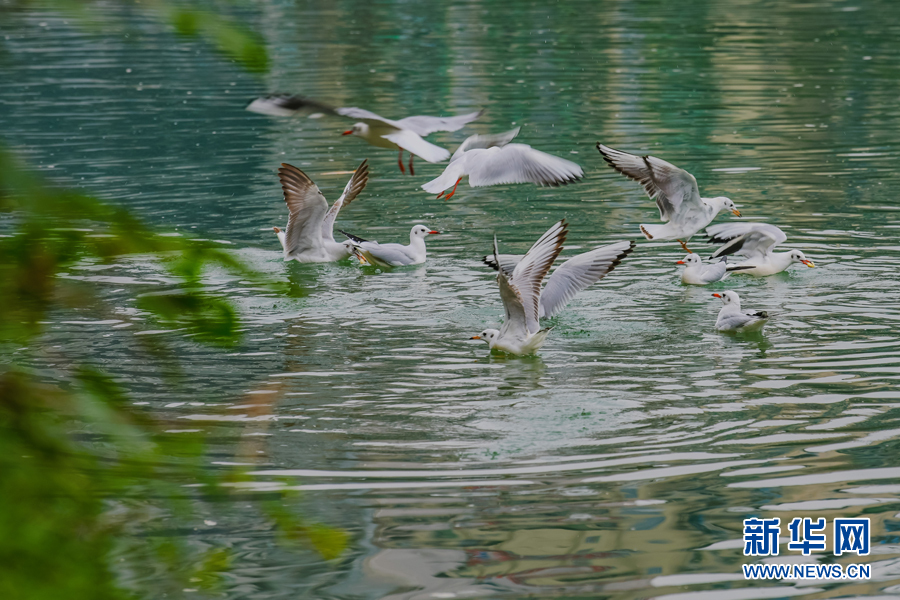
point(621, 461)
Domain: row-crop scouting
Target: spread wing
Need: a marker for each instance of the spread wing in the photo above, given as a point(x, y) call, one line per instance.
point(745, 239)
point(284, 105)
point(515, 323)
point(367, 116)
point(353, 188)
point(675, 190)
point(307, 207)
point(578, 273)
point(518, 163)
point(521, 289)
point(507, 262)
point(485, 141)
point(412, 142)
point(423, 125)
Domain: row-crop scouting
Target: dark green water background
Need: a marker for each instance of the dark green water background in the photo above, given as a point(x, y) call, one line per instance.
point(621, 461)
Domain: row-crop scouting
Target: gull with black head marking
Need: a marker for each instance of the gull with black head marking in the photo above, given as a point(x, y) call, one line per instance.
point(403, 134)
point(756, 242)
point(520, 279)
point(308, 236)
point(675, 191)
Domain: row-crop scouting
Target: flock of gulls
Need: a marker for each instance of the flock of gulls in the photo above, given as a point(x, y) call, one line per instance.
point(494, 159)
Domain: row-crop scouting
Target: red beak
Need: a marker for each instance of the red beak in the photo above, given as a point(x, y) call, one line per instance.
point(434, 232)
point(717, 295)
point(679, 262)
point(348, 132)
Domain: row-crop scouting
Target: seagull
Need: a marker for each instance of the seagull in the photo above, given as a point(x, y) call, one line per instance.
point(392, 255)
point(676, 194)
point(755, 242)
point(404, 134)
point(520, 278)
point(732, 319)
point(493, 160)
point(308, 236)
point(696, 272)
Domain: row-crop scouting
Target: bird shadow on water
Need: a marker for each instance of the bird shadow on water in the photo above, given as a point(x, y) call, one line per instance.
point(519, 373)
point(753, 339)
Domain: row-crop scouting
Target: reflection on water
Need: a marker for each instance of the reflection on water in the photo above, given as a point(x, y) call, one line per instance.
point(622, 460)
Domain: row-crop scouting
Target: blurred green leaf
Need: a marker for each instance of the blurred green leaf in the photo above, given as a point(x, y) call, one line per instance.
point(72, 444)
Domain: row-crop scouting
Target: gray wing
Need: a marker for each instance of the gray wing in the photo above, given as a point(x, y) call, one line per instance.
point(307, 207)
point(394, 255)
point(578, 273)
point(283, 105)
point(745, 239)
point(738, 320)
point(715, 272)
point(519, 163)
point(485, 141)
point(353, 188)
point(423, 125)
point(669, 185)
point(515, 323)
point(529, 273)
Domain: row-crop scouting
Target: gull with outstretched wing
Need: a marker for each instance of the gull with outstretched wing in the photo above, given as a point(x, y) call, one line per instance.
point(525, 302)
point(309, 235)
point(402, 134)
point(494, 160)
point(676, 193)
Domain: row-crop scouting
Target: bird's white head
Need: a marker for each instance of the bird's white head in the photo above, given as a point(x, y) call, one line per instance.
point(488, 335)
point(799, 257)
point(723, 203)
point(691, 260)
point(729, 298)
point(420, 231)
point(358, 129)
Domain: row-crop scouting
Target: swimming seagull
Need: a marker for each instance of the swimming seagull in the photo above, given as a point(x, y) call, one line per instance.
point(493, 160)
point(520, 278)
point(755, 242)
point(696, 272)
point(732, 319)
point(308, 236)
point(404, 134)
point(392, 255)
point(676, 194)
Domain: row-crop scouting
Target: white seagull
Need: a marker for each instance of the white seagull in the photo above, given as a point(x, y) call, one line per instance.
point(493, 160)
point(404, 134)
point(392, 255)
point(732, 319)
point(696, 272)
point(676, 194)
point(755, 242)
point(308, 236)
point(520, 278)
